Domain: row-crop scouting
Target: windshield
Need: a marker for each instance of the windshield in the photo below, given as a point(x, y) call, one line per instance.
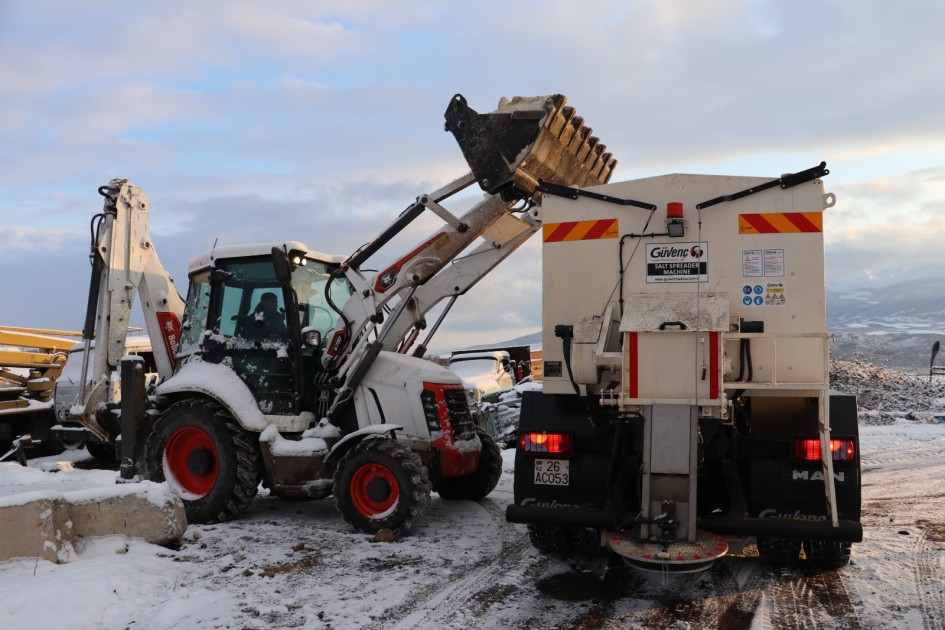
point(471, 368)
point(316, 296)
point(249, 307)
point(195, 313)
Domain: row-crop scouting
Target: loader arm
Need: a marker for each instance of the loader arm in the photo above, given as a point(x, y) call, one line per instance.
point(511, 150)
point(124, 263)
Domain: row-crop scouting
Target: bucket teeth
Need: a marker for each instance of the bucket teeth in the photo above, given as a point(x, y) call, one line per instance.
point(527, 140)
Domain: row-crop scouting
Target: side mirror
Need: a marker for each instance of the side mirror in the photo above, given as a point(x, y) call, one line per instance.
point(280, 264)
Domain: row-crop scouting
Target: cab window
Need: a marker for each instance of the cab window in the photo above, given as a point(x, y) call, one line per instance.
point(311, 285)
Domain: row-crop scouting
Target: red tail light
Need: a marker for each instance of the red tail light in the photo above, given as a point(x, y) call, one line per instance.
point(806, 449)
point(555, 443)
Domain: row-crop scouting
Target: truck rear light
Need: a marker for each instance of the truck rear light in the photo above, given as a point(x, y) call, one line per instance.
point(808, 450)
point(554, 443)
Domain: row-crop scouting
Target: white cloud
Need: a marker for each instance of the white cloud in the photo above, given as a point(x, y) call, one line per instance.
point(324, 120)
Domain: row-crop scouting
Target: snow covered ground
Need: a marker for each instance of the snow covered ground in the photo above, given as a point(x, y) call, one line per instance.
point(295, 564)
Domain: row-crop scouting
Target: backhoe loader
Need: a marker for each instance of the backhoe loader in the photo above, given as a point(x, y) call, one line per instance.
point(291, 367)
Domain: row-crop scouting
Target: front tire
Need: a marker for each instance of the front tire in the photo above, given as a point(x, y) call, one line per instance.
point(381, 484)
point(210, 461)
point(478, 485)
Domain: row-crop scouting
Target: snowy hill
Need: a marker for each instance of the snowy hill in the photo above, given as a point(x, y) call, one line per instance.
point(894, 324)
point(533, 340)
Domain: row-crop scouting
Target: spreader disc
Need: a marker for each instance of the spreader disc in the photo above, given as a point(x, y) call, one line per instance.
point(680, 557)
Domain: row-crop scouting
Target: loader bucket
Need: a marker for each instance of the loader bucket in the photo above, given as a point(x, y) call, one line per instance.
point(525, 140)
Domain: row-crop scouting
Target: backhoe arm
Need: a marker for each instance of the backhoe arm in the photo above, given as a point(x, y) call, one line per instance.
point(511, 150)
point(124, 262)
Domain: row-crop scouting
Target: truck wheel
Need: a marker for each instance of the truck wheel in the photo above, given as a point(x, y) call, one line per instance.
point(102, 451)
point(52, 446)
point(779, 552)
point(210, 461)
point(559, 540)
point(478, 485)
point(827, 554)
point(381, 484)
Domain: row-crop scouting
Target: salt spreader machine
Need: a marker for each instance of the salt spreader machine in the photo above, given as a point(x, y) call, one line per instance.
point(686, 401)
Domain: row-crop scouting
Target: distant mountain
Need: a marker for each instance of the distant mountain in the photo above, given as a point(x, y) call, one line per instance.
point(533, 340)
point(895, 324)
point(913, 306)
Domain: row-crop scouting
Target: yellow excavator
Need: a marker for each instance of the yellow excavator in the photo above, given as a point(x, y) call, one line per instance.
point(31, 359)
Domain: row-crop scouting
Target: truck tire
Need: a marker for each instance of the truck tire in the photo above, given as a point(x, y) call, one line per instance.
point(478, 485)
point(381, 484)
point(558, 540)
point(827, 554)
point(52, 446)
point(779, 552)
point(210, 461)
point(103, 452)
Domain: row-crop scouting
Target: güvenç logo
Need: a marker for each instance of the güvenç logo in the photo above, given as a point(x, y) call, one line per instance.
point(677, 262)
point(667, 251)
point(796, 515)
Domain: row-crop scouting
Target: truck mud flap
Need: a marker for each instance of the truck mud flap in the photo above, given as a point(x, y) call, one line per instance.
point(526, 140)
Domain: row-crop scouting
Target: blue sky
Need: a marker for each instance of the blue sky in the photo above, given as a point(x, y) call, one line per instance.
point(320, 121)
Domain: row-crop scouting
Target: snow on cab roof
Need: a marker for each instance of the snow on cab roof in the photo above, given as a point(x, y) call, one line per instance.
point(256, 249)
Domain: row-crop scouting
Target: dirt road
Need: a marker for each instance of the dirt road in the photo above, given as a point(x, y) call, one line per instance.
point(467, 567)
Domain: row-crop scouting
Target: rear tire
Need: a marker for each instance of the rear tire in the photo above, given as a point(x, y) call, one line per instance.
point(478, 485)
point(558, 540)
point(51, 446)
point(381, 484)
point(102, 452)
point(827, 554)
point(210, 461)
point(779, 552)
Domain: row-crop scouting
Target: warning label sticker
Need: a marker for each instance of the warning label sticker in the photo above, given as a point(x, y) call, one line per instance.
point(774, 294)
point(677, 262)
point(768, 294)
point(762, 263)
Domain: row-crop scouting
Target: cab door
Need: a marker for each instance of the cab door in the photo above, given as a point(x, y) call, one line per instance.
point(249, 331)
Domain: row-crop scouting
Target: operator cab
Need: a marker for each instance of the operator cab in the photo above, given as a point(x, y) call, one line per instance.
point(242, 312)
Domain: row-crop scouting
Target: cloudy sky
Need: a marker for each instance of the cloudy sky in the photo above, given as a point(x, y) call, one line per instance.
point(320, 121)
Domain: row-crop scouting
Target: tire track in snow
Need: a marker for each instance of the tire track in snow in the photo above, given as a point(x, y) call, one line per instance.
point(727, 596)
point(442, 606)
point(898, 449)
point(908, 459)
point(930, 574)
point(802, 598)
point(744, 593)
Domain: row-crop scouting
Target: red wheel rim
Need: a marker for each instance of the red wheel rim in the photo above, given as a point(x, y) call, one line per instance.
point(190, 460)
point(374, 490)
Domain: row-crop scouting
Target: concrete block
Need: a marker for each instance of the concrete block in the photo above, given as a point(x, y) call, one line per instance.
point(47, 524)
point(146, 510)
point(37, 525)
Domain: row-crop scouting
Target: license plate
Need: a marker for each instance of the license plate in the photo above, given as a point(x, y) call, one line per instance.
point(552, 472)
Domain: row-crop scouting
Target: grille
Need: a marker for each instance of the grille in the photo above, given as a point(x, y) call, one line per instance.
point(460, 418)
